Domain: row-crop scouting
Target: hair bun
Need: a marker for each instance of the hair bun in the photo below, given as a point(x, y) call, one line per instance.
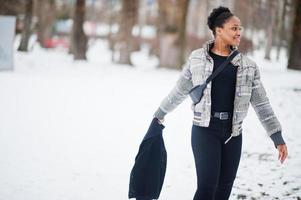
point(214, 14)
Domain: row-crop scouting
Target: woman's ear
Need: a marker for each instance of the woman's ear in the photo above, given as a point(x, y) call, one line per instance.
point(218, 30)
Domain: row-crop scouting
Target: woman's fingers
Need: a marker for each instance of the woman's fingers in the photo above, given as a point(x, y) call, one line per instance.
point(280, 157)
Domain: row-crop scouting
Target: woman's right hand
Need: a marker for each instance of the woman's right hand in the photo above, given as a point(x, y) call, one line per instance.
point(282, 149)
point(160, 121)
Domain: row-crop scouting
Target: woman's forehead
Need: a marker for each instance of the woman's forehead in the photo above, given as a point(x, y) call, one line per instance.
point(233, 21)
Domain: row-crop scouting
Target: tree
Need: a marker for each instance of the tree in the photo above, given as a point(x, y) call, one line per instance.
point(294, 61)
point(129, 14)
point(26, 32)
point(45, 10)
point(281, 25)
point(11, 7)
point(270, 29)
point(78, 38)
point(172, 28)
point(112, 18)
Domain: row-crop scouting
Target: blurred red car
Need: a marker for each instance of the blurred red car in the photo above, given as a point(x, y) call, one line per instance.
point(56, 42)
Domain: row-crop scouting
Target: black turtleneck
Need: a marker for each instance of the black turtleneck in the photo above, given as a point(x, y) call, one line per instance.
point(223, 85)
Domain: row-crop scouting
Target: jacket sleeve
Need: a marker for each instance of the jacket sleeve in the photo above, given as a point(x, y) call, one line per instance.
point(177, 95)
point(264, 111)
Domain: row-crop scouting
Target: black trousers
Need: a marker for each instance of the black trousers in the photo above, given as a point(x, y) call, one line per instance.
point(216, 163)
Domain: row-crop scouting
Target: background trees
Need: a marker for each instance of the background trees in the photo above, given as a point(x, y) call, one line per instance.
point(128, 19)
point(171, 32)
point(78, 46)
point(295, 49)
point(27, 26)
point(170, 29)
point(46, 14)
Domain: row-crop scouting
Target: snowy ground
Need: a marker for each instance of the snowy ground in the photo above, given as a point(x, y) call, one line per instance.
point(71, 130)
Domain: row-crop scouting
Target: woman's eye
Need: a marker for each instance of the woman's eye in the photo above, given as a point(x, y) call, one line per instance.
point(237, 28)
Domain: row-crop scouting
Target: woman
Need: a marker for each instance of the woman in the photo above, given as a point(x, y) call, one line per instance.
point(216, 136)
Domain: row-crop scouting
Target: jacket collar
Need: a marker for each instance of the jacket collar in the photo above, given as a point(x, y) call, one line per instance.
point(209, 44)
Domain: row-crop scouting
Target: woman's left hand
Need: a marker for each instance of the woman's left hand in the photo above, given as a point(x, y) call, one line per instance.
point(282, 149)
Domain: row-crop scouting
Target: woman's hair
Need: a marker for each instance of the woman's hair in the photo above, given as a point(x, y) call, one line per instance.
point(218, 17)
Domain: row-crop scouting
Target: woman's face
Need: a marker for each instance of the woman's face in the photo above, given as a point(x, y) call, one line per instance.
point(230, 32)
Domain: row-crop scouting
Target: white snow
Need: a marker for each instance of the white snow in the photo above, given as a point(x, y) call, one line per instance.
point(70, 130)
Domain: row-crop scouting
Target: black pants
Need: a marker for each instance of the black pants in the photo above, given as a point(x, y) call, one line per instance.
point(216, 163)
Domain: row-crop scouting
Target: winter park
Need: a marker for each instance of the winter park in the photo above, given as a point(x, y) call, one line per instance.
point(83, 83)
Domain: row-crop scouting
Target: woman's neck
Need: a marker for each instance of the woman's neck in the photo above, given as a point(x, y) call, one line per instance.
point(220, 48)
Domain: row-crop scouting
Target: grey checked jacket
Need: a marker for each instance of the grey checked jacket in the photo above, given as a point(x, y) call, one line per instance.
point(249, 89)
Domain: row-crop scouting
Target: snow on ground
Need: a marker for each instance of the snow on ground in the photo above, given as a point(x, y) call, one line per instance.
point(71, 130)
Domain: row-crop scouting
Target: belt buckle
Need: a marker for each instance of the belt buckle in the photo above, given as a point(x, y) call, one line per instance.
point(223, 115)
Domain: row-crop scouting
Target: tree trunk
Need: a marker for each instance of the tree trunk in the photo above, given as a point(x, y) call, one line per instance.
point(79, 39)
point(46, 15)
point(129, 14)
point(294, 61)
point(281, 26)
point(11, 7)
point(270, 35)
point(111, 37)
point(172, 28)
point(26, 32)
point(252, 23)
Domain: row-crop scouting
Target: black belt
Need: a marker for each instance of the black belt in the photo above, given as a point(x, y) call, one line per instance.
point(221, 115)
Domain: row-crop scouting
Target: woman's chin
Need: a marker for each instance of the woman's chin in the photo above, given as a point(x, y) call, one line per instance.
point(235, 44)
